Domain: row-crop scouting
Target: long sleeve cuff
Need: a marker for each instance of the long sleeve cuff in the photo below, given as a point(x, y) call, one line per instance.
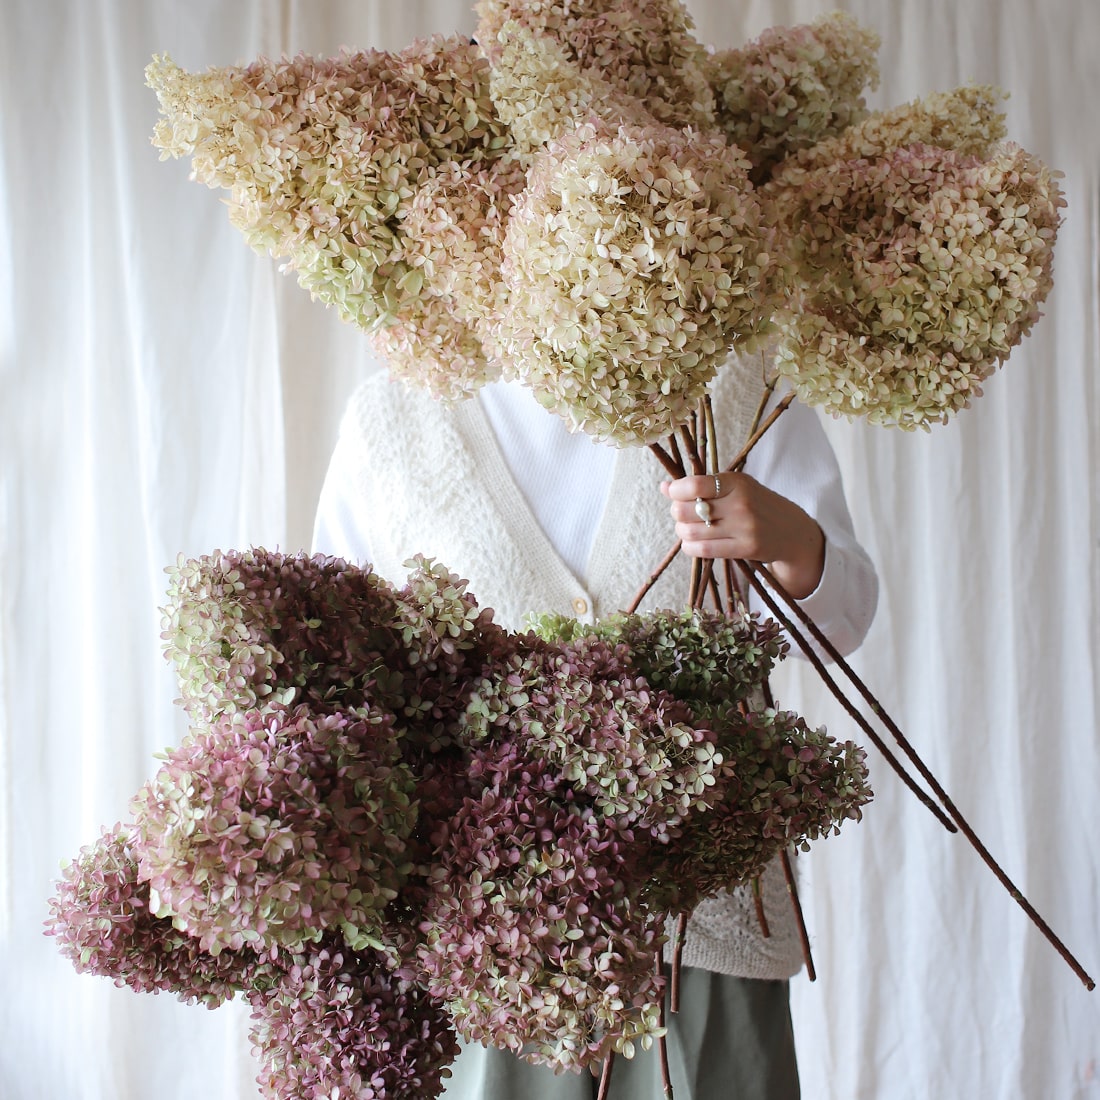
point(843, 603)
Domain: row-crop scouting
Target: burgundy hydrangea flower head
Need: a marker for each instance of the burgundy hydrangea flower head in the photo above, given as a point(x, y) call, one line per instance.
point(249, 630)
point(446, 640)
point(530, 938)
point(103, 923)
point(630, 752)
point(339, 1023)
point(394, 819)
point(786, 784)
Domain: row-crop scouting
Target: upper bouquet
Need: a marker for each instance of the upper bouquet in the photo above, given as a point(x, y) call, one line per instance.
point(394, 821)
point(589, 200)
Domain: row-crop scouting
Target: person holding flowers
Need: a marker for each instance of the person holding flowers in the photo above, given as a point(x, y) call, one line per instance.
point(543, 520)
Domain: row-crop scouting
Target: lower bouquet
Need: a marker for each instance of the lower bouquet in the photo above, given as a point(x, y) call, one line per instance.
point(394, 823)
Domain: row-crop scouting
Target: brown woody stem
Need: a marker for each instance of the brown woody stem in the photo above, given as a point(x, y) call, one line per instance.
point(765, 397)
point(803, 935)
point(711, 434)
point(699, 433)
point(845, 702)
point(692, 450)
point(654, 577)
point(605, 1076)
point(905, 746)
point(712, 585)
point(735, 598)
point(674, 450)
point(673, 466)
point(695, 591)
point(756, 436)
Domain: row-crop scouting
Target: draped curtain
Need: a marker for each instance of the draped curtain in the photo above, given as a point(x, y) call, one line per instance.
point(163, 390)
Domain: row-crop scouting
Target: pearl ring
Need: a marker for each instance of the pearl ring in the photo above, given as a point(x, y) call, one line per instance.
point(702, 507)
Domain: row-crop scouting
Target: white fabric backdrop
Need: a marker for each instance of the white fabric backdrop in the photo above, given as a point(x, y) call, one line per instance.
point(165, 390)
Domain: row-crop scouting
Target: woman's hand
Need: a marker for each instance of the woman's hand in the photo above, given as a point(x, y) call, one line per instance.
point(749, 521)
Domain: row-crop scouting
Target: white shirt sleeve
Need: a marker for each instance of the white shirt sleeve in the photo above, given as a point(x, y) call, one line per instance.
point(794, 458)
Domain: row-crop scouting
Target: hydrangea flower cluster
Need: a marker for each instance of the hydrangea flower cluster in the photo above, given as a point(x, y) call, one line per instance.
point(104, 924)
point(272, 829)
point(615, 275)
point(321, 157)
point(966, 121)
point(453, 232)
point(645, 51)
point(541, 94)
point(530, 936)
point(763, 764)
point(341, 1023)
point(793, 87)
point(248, 631)
point(483, 834)
point(633, 258)
point(790, 785)
point(704, 658)
point(256, 631)
point(630, 751)
point(921, 267)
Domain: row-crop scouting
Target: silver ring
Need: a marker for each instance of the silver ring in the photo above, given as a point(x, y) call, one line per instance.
point(717, 485)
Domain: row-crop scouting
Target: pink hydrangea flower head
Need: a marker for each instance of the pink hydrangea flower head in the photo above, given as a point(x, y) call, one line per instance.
point(272, 829)
point(342, 1024)
point(103, 923)
point(789, 784)
point(966, 120)
point(257, 629)
point(630, 752)
point(529, 938)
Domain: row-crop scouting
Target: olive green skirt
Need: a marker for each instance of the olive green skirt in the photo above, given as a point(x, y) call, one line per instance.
point(731, 1040)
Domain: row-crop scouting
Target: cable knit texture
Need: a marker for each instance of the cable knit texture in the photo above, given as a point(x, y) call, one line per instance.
point(433, 480)
point(458, 502)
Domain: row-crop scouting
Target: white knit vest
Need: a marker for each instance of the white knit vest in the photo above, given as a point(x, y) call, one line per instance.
point(435, 482)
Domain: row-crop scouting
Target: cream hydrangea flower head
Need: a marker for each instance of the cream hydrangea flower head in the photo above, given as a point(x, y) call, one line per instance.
point(543, 94)
point(633, 259)
point(920, 270)
point(321, 156)
point(966, 120)
point(615, 277)
point(453, 231)
point(428, 347)
point(793, 87)
point(644, 49)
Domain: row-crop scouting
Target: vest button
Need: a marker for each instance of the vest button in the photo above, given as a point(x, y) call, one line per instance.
point(580, 606)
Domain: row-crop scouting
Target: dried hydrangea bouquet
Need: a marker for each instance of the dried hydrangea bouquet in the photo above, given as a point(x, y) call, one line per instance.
point(395, 822)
